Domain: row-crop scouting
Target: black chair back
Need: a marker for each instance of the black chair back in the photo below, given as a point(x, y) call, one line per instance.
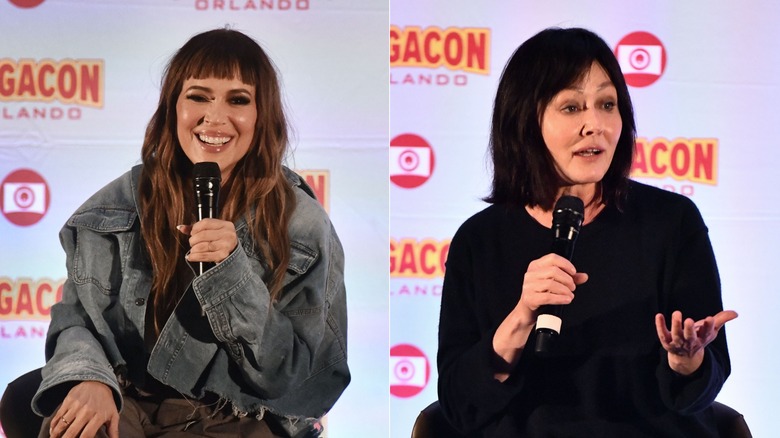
point(431, 423)
point(16, 415)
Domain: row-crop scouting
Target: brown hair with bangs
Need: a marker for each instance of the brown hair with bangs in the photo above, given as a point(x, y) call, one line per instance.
point(256, 187)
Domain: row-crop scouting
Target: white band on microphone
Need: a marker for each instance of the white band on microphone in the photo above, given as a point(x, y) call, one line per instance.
point(550, 322)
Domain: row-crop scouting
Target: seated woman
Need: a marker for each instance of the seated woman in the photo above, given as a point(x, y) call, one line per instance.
point(563, 125)
point(142, 344)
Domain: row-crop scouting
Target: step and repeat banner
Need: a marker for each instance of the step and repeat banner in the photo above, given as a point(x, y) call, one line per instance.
point(79, 80)
point(705, 82)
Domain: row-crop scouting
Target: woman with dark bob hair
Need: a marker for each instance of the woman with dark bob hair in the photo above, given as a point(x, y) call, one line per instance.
point(232, 325)
point(563, 127)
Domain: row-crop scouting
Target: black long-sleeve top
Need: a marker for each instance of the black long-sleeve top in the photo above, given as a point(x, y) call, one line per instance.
point(609, 375)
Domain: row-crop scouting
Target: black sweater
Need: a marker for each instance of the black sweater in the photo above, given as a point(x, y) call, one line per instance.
point(609, 375)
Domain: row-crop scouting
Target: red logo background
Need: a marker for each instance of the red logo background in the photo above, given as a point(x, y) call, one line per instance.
point(28, 208)
point(403, 361)
point(640, 59)
point(26, 4)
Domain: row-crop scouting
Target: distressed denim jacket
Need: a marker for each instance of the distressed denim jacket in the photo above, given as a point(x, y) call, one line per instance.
point(287, 358)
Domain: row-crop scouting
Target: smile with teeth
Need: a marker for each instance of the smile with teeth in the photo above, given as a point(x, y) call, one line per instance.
point(215, 141)
point(588, 152)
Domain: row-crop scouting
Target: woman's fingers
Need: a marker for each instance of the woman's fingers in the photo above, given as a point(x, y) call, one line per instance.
point(687, 337)
point(722, 317)
point(663, 333)
point(211, 240)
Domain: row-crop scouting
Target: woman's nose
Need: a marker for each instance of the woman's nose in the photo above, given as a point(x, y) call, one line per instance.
point(592, 124)
point(215, 114)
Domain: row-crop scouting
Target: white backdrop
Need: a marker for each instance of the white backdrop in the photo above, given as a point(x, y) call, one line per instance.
point(719, 86)
point(332, 55)
point(716, 92)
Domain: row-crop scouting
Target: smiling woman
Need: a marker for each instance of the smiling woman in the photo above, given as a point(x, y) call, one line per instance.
point(255, 346)
point(216, 121)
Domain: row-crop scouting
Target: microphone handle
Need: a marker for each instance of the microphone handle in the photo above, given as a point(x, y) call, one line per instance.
point(206, 198)
point(564, 248)
point(548, 323)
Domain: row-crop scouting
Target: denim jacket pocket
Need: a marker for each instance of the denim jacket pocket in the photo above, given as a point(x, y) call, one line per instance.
point(102, 244)
point(301, 258)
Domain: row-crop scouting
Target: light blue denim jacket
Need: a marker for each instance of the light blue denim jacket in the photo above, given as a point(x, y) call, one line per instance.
point(289, 359)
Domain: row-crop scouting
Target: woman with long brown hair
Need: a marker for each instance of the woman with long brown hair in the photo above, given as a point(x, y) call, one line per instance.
point(253, 346)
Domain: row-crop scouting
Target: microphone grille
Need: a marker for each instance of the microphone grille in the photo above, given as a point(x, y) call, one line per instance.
point(206, 169)
point(572, 203)
point(569, 211)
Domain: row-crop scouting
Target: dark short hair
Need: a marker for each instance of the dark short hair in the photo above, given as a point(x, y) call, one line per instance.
point(553, 59)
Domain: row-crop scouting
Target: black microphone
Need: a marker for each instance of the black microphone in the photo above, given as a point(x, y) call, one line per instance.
point(567, 220)
point(206, 178)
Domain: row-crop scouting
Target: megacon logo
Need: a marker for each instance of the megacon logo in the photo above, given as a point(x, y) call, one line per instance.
point(25, 307)
point(413, 258)
point(410, 370)
point(252, 5)
point(684, 160)
point(24, 197)
point(26, 300)
point(411, 161)
point(456, 49)
point(319, 181)
point(417, 267)
point(26, 4)
point(71, 81)
point(642, 58)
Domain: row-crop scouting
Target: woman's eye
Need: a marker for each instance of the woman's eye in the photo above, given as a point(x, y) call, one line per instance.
point(197, 98)
point(240, 100)
point(610, 105)
point(570, 109)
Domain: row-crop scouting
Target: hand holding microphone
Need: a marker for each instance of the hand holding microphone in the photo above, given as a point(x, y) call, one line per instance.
point(211, 239)
point(568, 215)
point(548, 284)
